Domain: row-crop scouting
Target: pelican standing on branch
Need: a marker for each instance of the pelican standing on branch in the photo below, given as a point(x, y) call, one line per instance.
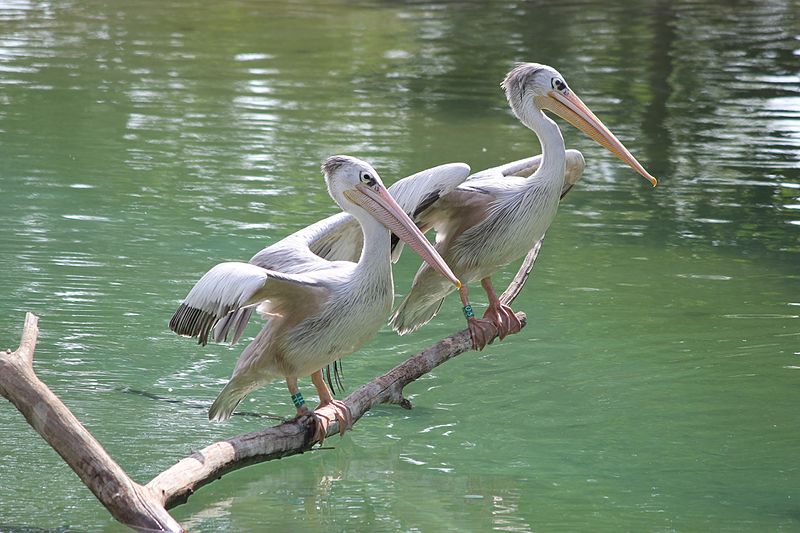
point(317, 310)
point(491, 219)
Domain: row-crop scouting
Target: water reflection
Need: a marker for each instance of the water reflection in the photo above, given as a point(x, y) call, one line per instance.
point(139, 150)
point(362, 489)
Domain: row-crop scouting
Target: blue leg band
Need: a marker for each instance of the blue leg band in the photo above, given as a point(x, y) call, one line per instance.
point(297, 399)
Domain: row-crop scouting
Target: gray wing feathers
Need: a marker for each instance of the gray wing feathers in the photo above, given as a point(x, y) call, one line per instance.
point(420, 191)
point(340, 237)
point(230, 287)
point(236, 321)
point(336, 238)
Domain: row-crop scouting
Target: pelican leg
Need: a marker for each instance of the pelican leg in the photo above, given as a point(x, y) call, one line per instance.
point(329, 409)
point(294, 390)
point(481, 330)
point(499, 314)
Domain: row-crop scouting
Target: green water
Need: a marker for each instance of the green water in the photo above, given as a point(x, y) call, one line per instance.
point(656, 385)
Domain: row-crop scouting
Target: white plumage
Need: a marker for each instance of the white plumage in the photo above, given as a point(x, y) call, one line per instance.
point(495, 217)
point(317, 310)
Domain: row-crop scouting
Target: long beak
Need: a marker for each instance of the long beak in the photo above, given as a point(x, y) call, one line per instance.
point(573, 110)
point(385, 209)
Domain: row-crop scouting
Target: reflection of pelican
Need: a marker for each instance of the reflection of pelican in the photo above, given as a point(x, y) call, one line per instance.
point(317, 310)
point(491, 220)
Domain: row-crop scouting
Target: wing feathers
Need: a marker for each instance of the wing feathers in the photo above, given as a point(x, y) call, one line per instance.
point(224, 288)
point(233, 287)
point(235, 321)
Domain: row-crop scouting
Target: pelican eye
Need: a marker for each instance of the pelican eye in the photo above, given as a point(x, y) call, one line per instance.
point(559, 85)
point(366, 178)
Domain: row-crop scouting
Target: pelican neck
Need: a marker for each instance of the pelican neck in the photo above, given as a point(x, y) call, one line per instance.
point(376, 252)
point(554, 157)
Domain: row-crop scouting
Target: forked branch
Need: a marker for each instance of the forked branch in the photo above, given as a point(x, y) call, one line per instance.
point(144, 507)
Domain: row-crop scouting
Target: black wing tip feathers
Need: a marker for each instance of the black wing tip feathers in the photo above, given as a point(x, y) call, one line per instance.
point(192, 322)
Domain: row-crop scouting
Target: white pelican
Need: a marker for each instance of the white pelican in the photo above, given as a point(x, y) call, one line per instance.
point(318, 310)
point(491, 219)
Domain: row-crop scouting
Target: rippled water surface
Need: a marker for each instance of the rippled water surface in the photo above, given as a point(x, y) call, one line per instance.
point(656, 385)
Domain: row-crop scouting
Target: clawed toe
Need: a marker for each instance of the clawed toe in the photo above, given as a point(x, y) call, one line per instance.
point(325, 415)
point(504, 318)
point(321, 423)
point(343, 416)
point(498, 321)
point(481, 331)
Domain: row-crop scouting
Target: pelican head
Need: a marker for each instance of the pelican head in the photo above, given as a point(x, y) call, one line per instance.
point(358, 190)
point(545, 88)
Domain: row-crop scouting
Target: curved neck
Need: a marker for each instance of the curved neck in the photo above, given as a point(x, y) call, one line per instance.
point(376, 252)
point(553, 150)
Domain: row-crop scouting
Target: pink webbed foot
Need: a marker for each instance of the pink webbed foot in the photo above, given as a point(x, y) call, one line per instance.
point(504, 318)
point(326, 413)
point(482, 332)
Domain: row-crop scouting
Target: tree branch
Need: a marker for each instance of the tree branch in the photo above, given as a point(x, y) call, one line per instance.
point(144, 507)
point(525, 269)
point(127, 501)
point(27, 344)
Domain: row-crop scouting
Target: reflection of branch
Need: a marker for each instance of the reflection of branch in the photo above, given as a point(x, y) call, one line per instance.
point(144, 507)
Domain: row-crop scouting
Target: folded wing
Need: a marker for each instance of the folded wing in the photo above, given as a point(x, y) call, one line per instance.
point(524, 168)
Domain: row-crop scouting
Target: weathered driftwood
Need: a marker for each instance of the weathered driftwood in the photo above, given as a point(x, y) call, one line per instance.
point(127, 501)
point(144, 507)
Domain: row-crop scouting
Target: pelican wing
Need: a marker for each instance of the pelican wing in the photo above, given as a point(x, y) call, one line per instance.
point(342, 239)
point(339, 237)
point(229, 288)
point(288, 257)
point(420, 191)
point(575, 166)
point(336, 238)
point(521, 167)
point(526, 167)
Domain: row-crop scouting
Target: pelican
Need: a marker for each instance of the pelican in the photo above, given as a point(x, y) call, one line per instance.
point(492, 219)
point(317, 310)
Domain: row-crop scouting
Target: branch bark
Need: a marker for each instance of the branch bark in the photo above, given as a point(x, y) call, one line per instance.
point(144, 507)
point(127, 501)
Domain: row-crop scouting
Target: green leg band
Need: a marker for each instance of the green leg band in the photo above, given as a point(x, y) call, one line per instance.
point(297, 400)
point(468, 312)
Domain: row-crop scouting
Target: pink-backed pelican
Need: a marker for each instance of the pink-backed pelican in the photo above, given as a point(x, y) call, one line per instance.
point(317, 310)
point(491, 220)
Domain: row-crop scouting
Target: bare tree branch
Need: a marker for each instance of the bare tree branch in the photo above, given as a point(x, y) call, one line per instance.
point(127, 501)
point(525, 269)
point(176, 484)
point(144, 507)
point(27, 344)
